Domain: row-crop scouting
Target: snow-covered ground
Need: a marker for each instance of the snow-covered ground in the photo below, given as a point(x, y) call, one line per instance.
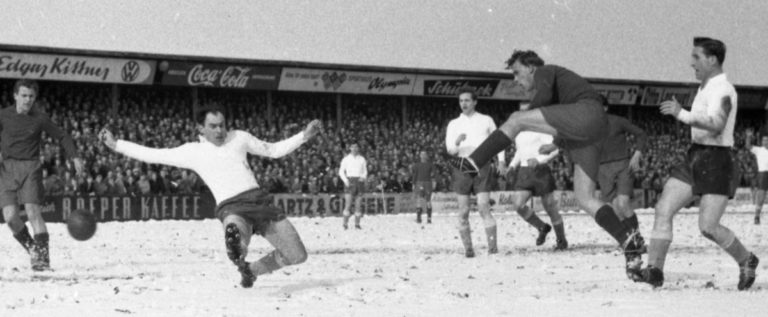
point(393, 267)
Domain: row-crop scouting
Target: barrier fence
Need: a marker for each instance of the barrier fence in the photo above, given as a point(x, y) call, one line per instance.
point(195, 207)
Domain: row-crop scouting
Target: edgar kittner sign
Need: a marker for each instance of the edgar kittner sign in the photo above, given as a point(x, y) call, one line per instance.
point(76, 68)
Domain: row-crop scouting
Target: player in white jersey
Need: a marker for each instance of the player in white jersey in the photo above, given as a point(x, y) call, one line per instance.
point(463, 135)
point(761, 156)
point(530, 176)
point(243, 208)
point(708, 169)
point(353, 172)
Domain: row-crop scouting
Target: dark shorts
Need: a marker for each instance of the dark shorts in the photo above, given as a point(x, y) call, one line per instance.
point(21, 182)
point(537, 180)
point(614, 178)
point(581, 127)
point(423, 189)
point(709, 170)
point(762, 180)
point(255, 206)
point(356, 186)
point(465, 184)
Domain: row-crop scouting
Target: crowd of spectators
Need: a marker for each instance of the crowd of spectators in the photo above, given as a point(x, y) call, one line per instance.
point(389, 137)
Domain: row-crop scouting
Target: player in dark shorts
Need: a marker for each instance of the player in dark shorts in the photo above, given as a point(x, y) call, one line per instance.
point(220, 158)
point(567, 107)
point(761, 179)
point(21, 172)
point(615, 174)
point(423, 173)
point(708, 169)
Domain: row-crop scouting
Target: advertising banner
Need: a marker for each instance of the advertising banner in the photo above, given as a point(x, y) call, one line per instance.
point(619, 94)
point(446, 86)
point(322, 80)
point(333, 205)
point(76, 68)
point(220, 75)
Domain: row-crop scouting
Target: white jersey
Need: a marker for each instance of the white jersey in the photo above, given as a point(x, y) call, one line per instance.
point(353, 166)
point(477, 128)
point(527, 144)
point(761, 156)
point(223, 168)
point(708, 103)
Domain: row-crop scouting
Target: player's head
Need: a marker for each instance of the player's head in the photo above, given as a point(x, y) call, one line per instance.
point(523, 64)
point(467, 100)
point(424, 156)
point(25, 94)
point(354, 148)
point(707, 57)
point(212, 125)
point(764, 140)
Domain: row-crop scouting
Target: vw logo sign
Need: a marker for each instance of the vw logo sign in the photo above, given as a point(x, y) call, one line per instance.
point(130, 71)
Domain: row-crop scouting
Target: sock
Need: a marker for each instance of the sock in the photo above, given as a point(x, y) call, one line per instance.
point(495, 143)
point(490, 232)
point(418, 213)
point(737, 251)
point(466, 238)
point(429, 212)
point(657, 252)
point(631, 222)
point(559, 231)
point(357, 220)
point(530, 217)
point(346, 220)
point(607, 219)
point(268, 264)
point(24, 238)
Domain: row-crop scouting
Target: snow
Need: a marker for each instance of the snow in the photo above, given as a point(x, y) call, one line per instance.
point(393, 267)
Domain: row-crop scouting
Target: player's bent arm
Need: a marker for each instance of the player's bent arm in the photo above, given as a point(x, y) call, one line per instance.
point(450, 140)
point(545, 158)
point(714, 120)
point(178, 156)
point(343, 171)
point(277, 149)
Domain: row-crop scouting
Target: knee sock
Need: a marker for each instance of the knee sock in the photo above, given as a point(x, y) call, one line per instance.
point(490, 233)
point(429, 212)
point(631, 222)
point(357, 220)
point(607, 219)
point(727, 240)
point(418, 213)
point(559, 230)
point(24, 238)
point(466, 237)
point(268, 263)
point(530, 217)
point(657, 252)
point(495, 143)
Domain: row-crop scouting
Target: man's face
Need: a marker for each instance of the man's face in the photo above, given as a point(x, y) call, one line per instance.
point(424, 157)
point(214, 128)
point(764, 141)
point(702, 64)
point(523, 75)
point(25, 98)
point(355, 149)
point(467, 103)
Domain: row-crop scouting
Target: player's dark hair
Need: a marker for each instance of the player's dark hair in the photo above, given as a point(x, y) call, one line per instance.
point(467, 90)
point(31, 84)
point(711, 47)
point(203, 112)
point(527, 58)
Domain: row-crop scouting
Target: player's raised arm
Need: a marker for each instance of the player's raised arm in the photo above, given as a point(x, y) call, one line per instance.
point(179, 156)
point(284, 147)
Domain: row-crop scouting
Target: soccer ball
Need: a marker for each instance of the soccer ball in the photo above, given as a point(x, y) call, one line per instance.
point(81, 224)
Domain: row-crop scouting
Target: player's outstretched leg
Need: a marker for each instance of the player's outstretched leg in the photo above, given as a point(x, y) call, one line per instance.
point(289, 249)
point(237, 250)
point(550, 206)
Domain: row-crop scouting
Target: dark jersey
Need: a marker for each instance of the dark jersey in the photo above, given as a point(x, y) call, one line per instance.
point(20, 134)
point(558, 85)
point(422, 172)
point(615, 146)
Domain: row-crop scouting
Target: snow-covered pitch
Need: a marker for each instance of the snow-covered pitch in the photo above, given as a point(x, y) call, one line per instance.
point(393, 267)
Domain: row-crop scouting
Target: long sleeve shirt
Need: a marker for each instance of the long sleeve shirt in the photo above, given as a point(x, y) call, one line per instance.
point(223, 168)
point(616, 146)
point(477, 128)
point(20, 134)
point(353, 166)
point(708, 110)
point(527, 144)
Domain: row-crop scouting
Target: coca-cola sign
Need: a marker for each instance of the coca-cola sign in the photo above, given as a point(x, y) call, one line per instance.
point(221, 75)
